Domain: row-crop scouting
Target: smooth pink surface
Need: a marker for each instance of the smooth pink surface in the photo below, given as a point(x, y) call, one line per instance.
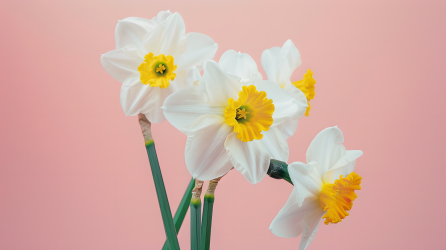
point(74, 172)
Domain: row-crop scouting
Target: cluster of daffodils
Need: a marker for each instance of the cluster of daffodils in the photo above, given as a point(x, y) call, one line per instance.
point(232, 117)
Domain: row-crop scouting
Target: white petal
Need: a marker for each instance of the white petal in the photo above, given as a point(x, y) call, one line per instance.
point(285, 105)
point(132, 30)
point(138, 98)
point(153, 112)
point(184, 107)
point(276, 144)
point(168, 38)
point(307, 181)
point(179, 83)
point(220, 86)
point(280, 63)
point(239, 64)
point(123, 62)
point(270, 60)
point(300, 97)
point(311, 225)
point(289, 222)
point(249, 158)
point(193, 76)
point(200, 48)
point(162, 15)
point(326, 149)
point(206, 157)
point(291, 57)
point(343, 166)
point(289, 127)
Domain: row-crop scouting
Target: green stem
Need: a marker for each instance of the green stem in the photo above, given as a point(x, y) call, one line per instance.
point(162, 196)
point(195, 224)
point(207, 221)
point(182, 210)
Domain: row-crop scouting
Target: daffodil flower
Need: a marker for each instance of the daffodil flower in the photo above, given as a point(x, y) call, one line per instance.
point(230, 116)
point(279, 64)
point(324, 188)
point(151, 60)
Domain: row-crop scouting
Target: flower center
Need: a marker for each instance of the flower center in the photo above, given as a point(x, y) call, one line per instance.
point(241, 113)
point(338, 198)
point(160, 68)
point(251, 114)
point(157, 70)
point(306, 85)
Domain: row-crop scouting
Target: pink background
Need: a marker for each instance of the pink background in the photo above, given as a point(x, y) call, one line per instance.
point(74, 172)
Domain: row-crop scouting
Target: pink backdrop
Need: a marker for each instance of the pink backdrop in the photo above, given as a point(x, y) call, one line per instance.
point(74, 172)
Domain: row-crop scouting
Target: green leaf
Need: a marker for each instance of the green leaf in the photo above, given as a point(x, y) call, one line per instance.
point(182, 210)
point(166, 214)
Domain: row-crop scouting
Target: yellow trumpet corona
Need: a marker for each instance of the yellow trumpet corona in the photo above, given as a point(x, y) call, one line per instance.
point(337, 198)
point(251, 114)
point(306, 85)
point(157, 70)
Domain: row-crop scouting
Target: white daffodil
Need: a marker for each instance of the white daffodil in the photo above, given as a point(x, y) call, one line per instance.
point(279, 64)
point(320, 189)
point(151, 60)
point(230, 116)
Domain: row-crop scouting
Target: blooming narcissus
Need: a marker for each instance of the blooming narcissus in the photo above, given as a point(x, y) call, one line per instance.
point(279, 64)
point(151, 60)
point(323, 188)
point(230, 116)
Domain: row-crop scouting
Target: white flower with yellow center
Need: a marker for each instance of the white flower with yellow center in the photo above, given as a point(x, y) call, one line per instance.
point(279, 64)
point(231, 119)
point(323, 189)
point(151, 60)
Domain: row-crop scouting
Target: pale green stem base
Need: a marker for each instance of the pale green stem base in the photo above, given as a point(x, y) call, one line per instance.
point(195, 224)
point(207, 221)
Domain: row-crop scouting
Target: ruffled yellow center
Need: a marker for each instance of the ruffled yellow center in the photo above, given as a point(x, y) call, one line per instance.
point(157, 70)
point(306, 85)
point(338, 198)
point(251, 114)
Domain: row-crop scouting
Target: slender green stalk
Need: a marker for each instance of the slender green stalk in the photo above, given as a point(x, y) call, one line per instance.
point(182, 210)
point(207, 221)
point(195, 224)
point(166, 214)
